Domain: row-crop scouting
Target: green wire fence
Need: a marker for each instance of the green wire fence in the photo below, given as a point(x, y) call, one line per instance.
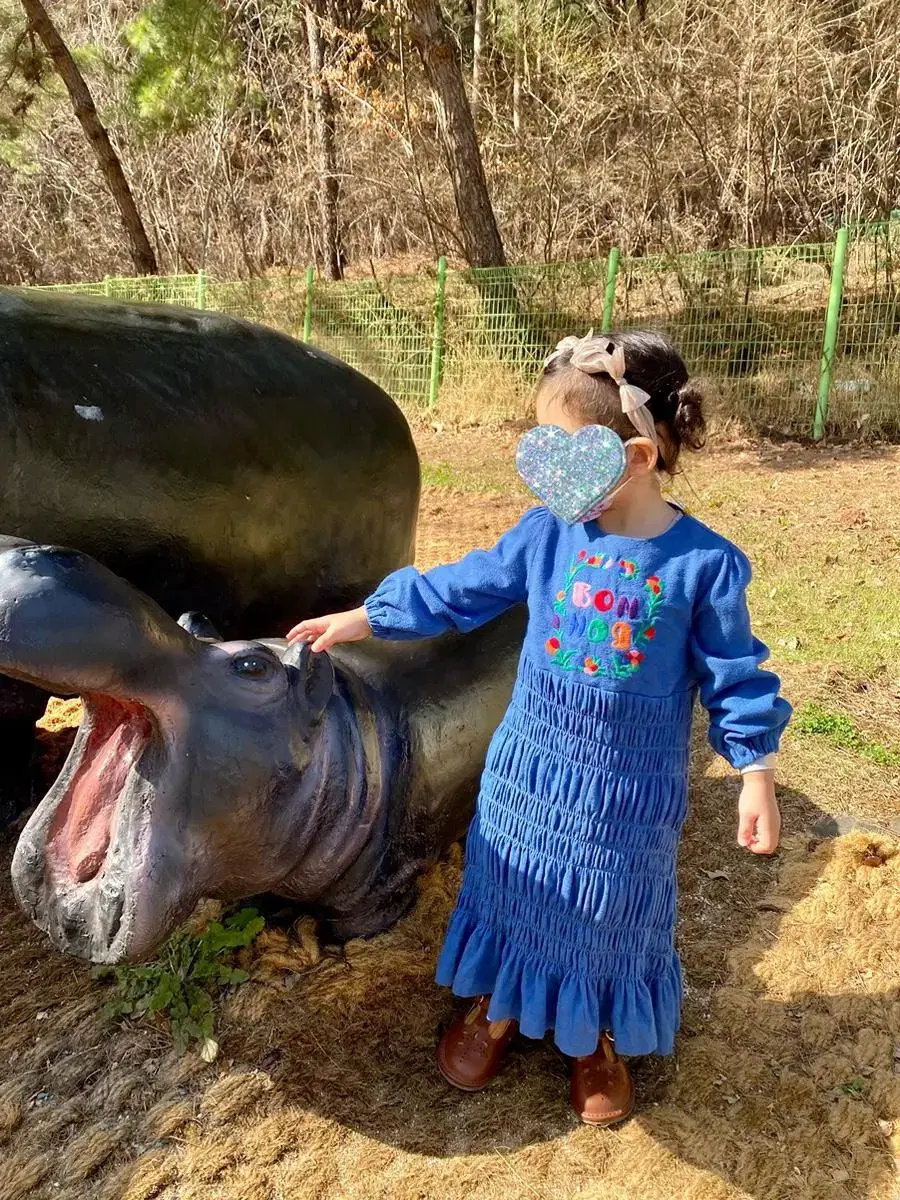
point(801, 339)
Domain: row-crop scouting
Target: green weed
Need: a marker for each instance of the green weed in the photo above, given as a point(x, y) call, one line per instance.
point(841, 731)
point(438, 475)
point(183, 983)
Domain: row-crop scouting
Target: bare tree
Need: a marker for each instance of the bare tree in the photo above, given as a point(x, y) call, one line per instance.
point(83, 105)
point(326, 155)
point(481, 236)
point(478, 54)
point(518, 55)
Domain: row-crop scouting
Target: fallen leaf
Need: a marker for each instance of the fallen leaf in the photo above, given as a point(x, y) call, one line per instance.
point(716, 874)
point(209, 1049)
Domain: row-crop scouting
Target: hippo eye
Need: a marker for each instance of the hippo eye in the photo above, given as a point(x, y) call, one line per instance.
point(251, 666)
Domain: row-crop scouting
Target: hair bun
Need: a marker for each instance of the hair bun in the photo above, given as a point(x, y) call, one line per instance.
point(688, 420)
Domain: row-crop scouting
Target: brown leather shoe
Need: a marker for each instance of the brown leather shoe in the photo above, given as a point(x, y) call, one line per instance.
point(602, 1090)
point(470, 1052)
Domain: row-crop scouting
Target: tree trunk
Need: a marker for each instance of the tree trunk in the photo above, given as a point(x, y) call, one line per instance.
point(517, 68)
point(323, 110)
point(86, 112)
point(481, 237)
point(478, 55)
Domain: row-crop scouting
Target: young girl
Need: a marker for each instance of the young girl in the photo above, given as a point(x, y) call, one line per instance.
point(566, 915)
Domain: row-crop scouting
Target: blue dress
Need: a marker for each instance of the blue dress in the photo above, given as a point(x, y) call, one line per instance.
point(566, 914)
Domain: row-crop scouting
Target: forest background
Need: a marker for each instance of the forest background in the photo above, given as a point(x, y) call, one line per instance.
point(259, 137)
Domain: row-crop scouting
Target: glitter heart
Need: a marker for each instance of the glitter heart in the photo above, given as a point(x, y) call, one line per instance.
point(571, 473)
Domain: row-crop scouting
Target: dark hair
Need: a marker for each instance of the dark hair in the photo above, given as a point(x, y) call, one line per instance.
point(651, 363)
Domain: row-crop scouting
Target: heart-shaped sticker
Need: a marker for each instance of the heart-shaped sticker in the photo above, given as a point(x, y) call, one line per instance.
point(571, 472)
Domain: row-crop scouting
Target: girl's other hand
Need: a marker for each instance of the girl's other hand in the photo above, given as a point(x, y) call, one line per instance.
point(759, 821)
point(321, 633)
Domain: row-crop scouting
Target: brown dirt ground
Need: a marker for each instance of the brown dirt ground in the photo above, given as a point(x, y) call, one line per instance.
point(786, 1084)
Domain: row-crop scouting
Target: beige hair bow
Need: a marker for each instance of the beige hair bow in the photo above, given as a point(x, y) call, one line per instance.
point(590, 354)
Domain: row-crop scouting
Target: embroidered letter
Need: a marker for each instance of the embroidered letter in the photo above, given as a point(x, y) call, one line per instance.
point(621, 636)
point(577, 624)
point(598, 631)
point(581, 595)
point(628, 607)
point(604, 600)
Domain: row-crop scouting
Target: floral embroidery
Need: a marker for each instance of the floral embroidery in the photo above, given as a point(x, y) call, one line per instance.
point(632, 630)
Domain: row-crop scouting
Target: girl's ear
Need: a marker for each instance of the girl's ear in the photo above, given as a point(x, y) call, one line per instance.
point(642, 456)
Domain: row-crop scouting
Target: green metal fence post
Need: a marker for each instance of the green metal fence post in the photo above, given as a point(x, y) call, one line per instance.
point(832, 322)
point(308, 304)
point(201, 289)
point(609, 298)
point(437, 345)
point(107, 290)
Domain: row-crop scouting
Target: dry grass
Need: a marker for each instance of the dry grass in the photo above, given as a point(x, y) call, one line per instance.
point(786, 1084)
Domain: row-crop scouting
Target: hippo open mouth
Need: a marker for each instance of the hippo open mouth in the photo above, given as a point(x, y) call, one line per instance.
point(113, 737)
point(93, 830)
point(83, 866)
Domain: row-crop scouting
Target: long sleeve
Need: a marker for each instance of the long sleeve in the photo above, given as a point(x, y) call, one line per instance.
point(747, 715)
point(462, 595)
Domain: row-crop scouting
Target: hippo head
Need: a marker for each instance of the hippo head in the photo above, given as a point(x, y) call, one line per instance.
point(176, 785)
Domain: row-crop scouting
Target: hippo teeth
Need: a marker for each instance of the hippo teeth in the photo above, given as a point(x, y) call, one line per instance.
point(82, 828)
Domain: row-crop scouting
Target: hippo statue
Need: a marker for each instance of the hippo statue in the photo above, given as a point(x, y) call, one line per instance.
point(229, 769)
point(215, 464)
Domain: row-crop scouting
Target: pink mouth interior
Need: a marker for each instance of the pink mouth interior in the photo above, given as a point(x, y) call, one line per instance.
point(81, 830)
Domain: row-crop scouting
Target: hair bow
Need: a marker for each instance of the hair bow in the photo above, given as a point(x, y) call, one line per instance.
point(593, 355)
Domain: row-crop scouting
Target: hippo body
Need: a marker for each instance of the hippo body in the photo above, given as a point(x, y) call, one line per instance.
point(215, 464)
point(229, 769)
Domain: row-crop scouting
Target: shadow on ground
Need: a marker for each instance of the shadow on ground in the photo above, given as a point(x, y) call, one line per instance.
point(784, 1084)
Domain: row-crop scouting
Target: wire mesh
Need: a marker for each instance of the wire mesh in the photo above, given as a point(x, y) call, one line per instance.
point(502, 322)
point(382, 327)
point(865, 393)
point(749, 323)
point(75, 289)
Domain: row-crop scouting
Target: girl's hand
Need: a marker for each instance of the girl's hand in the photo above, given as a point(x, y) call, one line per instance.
point(759, 821)
point(321, 633)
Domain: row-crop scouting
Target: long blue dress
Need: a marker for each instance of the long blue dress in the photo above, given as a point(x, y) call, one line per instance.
point(567, 909)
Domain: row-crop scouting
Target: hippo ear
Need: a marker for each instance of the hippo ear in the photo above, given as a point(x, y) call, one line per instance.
point(312, 677)
point(198, 625)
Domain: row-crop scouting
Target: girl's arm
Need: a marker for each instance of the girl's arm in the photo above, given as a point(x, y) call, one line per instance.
point(747, 716)
point(462, 596)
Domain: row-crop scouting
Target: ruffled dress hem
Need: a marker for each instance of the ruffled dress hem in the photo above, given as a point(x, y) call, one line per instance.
point(641, 1012)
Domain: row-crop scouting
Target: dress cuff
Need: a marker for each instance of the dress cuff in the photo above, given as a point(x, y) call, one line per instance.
point(376, 614)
